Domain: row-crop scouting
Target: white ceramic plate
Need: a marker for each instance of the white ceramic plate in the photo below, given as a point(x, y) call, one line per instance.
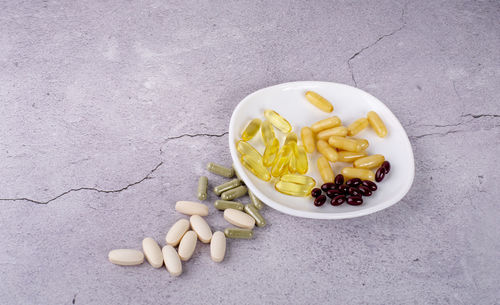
point(349, 104)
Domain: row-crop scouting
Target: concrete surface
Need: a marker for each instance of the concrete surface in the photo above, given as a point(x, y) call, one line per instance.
point(111, 109)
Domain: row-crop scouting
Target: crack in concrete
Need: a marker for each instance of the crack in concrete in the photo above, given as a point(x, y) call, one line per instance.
point(214, 135)
point(449, 132)
point(476, 116)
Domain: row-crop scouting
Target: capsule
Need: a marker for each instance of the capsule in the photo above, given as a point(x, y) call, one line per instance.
point(281, 161)
point(219, 189)
point(307, 136)
point(315, 192)
point(267, 132)
point(338, 200)
point(380, 174)
point(340, 131)
point(357, 126)
point(370, 185)
point(292, 164)
point(320, 200)
point(386, 166)
point(353, 182)
point(220, 170)
point(225, 204)
point(369, 162)
point(325, 170)
point(202, 188)
point(256, 201)
point(350, 156)
point(365, 191)
point(327, 151)
point(218, 246)
point(344, 143)
point(377, 124)
point(238, 233)
point(251, 129)
point(232, 194)
point(339, 179)
point(251, 210)
point(291, 137)
point(278, 121)
point(354, 200)
point(364, 143)
point(326, 124)
point(362, 173)
point(319, 101)
point(328, 186)
point(270, 152)
point(302, 162)
point(299, 179)
point(293, 189)
point(246, 149)
point(256, 167)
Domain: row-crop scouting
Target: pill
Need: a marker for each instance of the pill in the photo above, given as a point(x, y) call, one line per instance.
point(350, 156)
point(299, 179)
point(256, 167)
point(319, 101)
point(320, 200)
point(340, 131)
point(126, 257)
point(369, 161)
point(363, 142)
point(353, 182)
point(334, 193)
point(282, 160)
point(302, 162)
point(191, 208)
point(338, 200)
point(291, 137)
point(344, 143)
point(325, 170)
point(172, 260)
point(315, 192)
point(246, 149)
point(251, 210)
point(270, 152)
point(357, 126)
point(174, 235)
point(267, 132)
point(326, 124)
point(327, 151)
point(219, 189)
point(292, 189)
point(307, 136)
point(339, 179)
point(218, 247)
point(386, 166)
point(328, 186)
point(277, 121)
point(353, 191)
point(369, 184)
point(238, 233)
point(251, 129)
point(362, 173)
point(239, 219)
point(379, 175)
point(354, 200)
point(235, 193)
point(201, 227)
point(256, 201)
point(152, 252)
point(225, 204)
point(365, 191)
point(344, 189)
point(377, 124)
point(292, 163)
point(202, 188)
point(220, 170)
point(187, 245)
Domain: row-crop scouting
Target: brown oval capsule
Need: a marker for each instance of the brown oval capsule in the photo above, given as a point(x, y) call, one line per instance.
point(369, 184)
point(334, 193)
point(339, 179)
point(320, 200)
point(386, 166)
point(344, 188)
point(365, 191)
point(337, 200)
point(315, 192)
point(328, 186)
point(353, 182)
point(354, 200)
point(380, 174)
point(354, 191)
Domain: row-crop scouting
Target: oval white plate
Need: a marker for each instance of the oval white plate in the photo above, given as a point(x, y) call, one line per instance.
point(349, 104)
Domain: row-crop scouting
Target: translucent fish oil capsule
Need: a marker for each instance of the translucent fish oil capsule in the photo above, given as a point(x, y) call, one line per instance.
point(246, 149)
point(299, 179)
point(319, 101)
point(302, 163)
point(270, 152)
point(281, 162)
point(293, 189)
point(256, 167)
point(278, 121)
point(267, 131)
point(251, 129)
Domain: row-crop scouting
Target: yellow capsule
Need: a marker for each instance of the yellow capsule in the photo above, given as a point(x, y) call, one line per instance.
point(344, 143)
point(278, 121)
point(298, 179)
point(377, 124)
point(326, 150)
point(325, 170)
point(291, 137)
point(251, 130)
point(255, 167)
point(246, 149)
point(302, 163)
point(369, 162)
point(340, 131)
point(357, 126)
point(361, 173)
point(292, 163)
point(334, 121)
point(350, 156)
point(364, 143)
point(267, 132)
point(270, 152)
point(307, 136)
point(319, 101)
point(293, 189)
point(281, 161)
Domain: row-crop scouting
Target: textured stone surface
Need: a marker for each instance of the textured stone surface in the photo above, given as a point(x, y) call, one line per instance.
point(111, 109)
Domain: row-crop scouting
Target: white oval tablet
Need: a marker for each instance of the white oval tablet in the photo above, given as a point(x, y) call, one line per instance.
point(172, 260)
point(218, 246)
point(239, 218)
point(187, 245)
point(176, 232)
point(191, 208)
point(152, 252)
point(201, 227)
point(126, 257)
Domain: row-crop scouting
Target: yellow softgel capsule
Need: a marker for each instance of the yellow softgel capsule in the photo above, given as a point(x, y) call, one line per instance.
point(255, 167)
point(319, 101)
point(344, 143)
point(334, 121)
point(270, 152)
point(302, 163)
point(267, 132)
point(357, 126)
point(377, 124)
point(364, 143)
point(307, 137)
point(246, 149)
point(251, 129)
point(293, 189)
point(369, 162)
point(299, 179)
point(291, 137)
point(361, 173)
point(340, 131)
point(325, 170)
point(292, 163)
point(278, 121)
point(350, 156)
point(281, 161)
point(326, 150)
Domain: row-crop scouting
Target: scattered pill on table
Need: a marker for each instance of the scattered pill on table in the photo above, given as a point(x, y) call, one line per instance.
point(218, 246)
point(126, 257)
point(152, 252)
point(191, 208)
point(174, 235)
point(172, 260)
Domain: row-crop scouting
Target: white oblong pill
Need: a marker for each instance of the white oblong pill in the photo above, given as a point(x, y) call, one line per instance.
point(201, 227)
point(239, 218)
point(172, 260)
point(176, 232)
point(152, 252)
point(126, 257)
point(187, 245)
point(191, 208)
point(218, 246)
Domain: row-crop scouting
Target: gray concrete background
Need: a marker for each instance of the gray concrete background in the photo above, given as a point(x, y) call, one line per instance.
point(111, 109)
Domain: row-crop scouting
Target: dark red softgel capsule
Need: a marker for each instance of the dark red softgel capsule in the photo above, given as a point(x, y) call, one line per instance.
point(339, 179)
point(386, 166)
point(354, 191)
point(353, 182)
point(380, 174)
point(320, 200)
point(369, 184)
point(315, 192)
point(337, 200)
point(344, 188)
point(328, 186)
point(354, 200)
point(334, 193)
point(365, 191)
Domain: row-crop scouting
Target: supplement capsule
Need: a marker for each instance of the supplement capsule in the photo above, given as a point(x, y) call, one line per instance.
point(202, 188)
point(152, 252)
point(363, 142)
point(344, 143)
point(282, 160)
point(218, 247)
point(238, 233)
point(172, 260)
point(369, 162)
point(325, 169)
point(315, 192)
point(307, 136)
point(293, 189)
point(380, 174)
point(219, 189)
point(201, 227)
point(365, 191)
point(328, 186)
point(299, 179)
point(220, 170)
point(344, 189)
point(320, 200)
point(292, 163)
point(270, 152)
point(126, 257)
point(267, 132)
point(319, 101)
point(340, 131)
point(338, 200)
point(187, 245)
point(278, 121)
point(334, 193)
point(237, 192)
point(354, 191)
point(339, 179)
point(246, 149)
point(362, 173)
point(251, 210)
point(377, 124)
point(224, 204)
point(290, 137)
point(326, 124)
point(354, 200)
point(256, 201)
point(370, 185)
point(256, 167)
point(174, 235)
point(239, 219)
point(386, 166)
point(350, 156)
point(302, 162)
point(191, 208)
point(327, 151)
point(357, 126)
point(353, 182)
point(251, 129)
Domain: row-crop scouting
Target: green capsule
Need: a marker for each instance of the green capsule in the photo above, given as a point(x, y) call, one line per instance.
point(234, 193)
point(219, 189)
point(238, 233)
point(251, 210)
point(202, 188)
point(220, 170)
point(256, 201)
point(224, 204)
